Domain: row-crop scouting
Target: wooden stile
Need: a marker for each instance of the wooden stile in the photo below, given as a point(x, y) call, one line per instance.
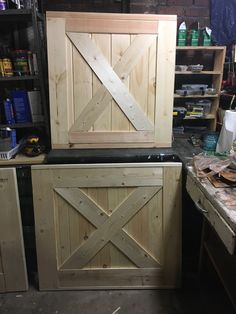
point(111, 74)
point(13, 274)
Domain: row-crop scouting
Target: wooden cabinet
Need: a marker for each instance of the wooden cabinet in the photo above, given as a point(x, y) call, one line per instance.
point(218, 239)
point(205, 200)
point(108, 225)
point(111, 79)
point(13, 274)
point(212, 58)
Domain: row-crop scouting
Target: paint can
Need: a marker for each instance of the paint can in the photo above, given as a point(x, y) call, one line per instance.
point(7, 67)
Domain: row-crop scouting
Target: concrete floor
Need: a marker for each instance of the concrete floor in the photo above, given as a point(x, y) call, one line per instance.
point(208, 297)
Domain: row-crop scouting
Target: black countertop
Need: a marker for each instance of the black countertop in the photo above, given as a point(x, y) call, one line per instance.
point(181, 150)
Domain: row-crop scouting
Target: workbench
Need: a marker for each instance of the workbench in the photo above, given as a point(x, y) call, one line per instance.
point(219, 229)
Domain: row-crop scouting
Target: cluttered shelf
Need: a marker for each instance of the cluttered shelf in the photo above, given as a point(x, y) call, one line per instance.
point(209, 48)
point(15, 12)
point(21, 159)
point(198, 72)
point(207, 117)
point(22, 125)
point(196, 96)
point(18, 78)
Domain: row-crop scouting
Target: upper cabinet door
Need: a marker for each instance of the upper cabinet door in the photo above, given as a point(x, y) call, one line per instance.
point(111, 79)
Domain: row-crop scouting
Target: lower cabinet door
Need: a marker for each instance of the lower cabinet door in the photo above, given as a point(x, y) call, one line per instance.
point(108, 225)
point(13, 274)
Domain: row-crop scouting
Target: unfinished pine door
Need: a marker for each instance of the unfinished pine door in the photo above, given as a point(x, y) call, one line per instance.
point(108, 226)
point(13, 274)
point(111, 79)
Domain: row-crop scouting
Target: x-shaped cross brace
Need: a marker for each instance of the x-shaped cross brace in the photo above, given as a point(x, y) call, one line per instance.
point(109, 228)
point(112, 87)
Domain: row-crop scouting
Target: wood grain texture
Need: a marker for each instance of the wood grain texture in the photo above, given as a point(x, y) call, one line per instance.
point(13, 266)
point(87, 208)
point(45, 231)
point(116, 223)
point(172, 224)
point(165, 67)
point(110, 80)
point(112, 279)
point(122, 68)
point(122, 78)
point(105, 176)
point(111, 137)
point(58, 80)
point(109, 16)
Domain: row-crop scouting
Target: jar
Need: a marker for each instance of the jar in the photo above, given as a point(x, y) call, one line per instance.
point(21, 66)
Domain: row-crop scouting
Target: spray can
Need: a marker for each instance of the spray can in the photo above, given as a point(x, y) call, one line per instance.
point(9, 114)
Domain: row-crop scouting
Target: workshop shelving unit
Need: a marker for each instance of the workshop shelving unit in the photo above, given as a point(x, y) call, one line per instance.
point(16, 24)
point(212, 58)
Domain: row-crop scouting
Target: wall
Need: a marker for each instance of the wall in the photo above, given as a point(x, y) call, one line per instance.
point(188, 10)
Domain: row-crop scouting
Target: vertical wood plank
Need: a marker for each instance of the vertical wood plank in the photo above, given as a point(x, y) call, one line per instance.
point(44, 213)
point(151, 101)
point(103, 41)
point(11, 236)
point(82, 82)
point(120, 43)
point(102, 259)
point(172, 224)
point(139, 81)
point(146, 227)
point(165, 69)
point(58, 80)
point(115, 197)
point(70, 89)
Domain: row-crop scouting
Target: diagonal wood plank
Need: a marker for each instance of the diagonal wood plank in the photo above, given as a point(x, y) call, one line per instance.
point(110, 80)
point(96, 216)
point(122, 68)
point(111, 226)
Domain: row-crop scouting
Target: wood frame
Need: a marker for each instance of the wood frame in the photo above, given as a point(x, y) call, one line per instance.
point(82, 189)
point(13, 274)
point(123, 94)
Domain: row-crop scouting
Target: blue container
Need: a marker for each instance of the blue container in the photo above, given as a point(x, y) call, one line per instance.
point(21, 106)
point(210, 141)
point(9, 113)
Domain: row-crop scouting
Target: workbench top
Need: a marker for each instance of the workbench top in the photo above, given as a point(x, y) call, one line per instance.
point(216, 208)
point(215, 195)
